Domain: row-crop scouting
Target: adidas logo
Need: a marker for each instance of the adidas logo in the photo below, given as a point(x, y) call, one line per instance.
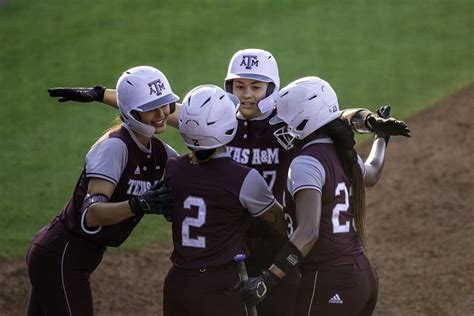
point(137, 171)
point(336, 299)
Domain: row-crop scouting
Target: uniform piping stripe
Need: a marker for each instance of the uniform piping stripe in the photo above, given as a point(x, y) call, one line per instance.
point(266, 208)
point(312, 294)
point(62, 277)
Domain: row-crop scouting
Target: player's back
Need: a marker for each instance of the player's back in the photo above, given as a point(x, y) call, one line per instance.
point(209, 220)
point(337, 236)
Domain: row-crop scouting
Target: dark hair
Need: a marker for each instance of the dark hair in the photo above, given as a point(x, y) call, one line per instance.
point(343, 137)
point(198, 156)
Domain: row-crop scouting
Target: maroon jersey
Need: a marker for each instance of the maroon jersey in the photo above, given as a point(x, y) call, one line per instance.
point(337, 236)
point(255, 146)
point(141, 171)
point(209, 219)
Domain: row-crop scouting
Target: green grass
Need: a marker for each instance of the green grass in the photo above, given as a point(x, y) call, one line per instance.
point(405, 53)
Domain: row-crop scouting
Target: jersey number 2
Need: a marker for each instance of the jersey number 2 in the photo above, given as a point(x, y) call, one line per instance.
point(199, 241)
point(341, 207)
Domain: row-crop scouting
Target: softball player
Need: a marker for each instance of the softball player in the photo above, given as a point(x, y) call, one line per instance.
point(253, 77)
point(215, 199)
point(119, 184)
point(325, 199)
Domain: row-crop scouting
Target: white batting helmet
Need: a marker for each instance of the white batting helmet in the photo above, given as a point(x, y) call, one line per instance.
point(142, 89)
point(256, 64)
point(207, 117)
point(304, 105)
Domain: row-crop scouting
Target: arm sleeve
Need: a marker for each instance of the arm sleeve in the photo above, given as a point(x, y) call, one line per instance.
point(305, 173)
point(356, 118)
point(107, 160)
point(255, 195)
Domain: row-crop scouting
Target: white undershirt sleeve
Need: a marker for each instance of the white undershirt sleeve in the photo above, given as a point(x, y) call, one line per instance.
point(107, 160)
point(255, 195)
point(305, 172)
point(170, 151)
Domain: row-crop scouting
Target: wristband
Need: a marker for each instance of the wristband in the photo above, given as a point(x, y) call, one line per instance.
point(288, 257)
point(100, 91)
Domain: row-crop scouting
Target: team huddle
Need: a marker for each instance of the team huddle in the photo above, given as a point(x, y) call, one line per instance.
point(271, 173)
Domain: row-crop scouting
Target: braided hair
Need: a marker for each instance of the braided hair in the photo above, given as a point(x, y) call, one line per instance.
point(343, 137)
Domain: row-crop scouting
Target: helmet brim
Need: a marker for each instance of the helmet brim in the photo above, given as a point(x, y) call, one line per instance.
point(249, 76)
point(167, 99)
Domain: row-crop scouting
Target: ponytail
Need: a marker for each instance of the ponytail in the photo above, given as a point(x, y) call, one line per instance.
point(343, 137)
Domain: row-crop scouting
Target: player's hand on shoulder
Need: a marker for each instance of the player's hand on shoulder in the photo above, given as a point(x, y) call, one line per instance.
point(78, 94)
point(384, 125)
point(255, 289)
point(158, 200)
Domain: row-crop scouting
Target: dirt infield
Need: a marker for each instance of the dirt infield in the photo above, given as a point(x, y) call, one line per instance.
point(420, 226)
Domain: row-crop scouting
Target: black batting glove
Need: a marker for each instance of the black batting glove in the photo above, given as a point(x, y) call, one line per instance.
point(254, 290)
point(78, 94)
point(158, 200)
point(384, 126)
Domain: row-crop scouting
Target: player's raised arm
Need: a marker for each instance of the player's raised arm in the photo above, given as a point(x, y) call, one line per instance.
point(80, 94)
point(383, 125)
point(364, 121)
point(110, 98)
point(102, 95)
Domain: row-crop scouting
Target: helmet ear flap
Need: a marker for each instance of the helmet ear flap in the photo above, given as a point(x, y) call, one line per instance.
point(172, 107)
point(229, 86)
point(270, 89)
point(136, 115)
